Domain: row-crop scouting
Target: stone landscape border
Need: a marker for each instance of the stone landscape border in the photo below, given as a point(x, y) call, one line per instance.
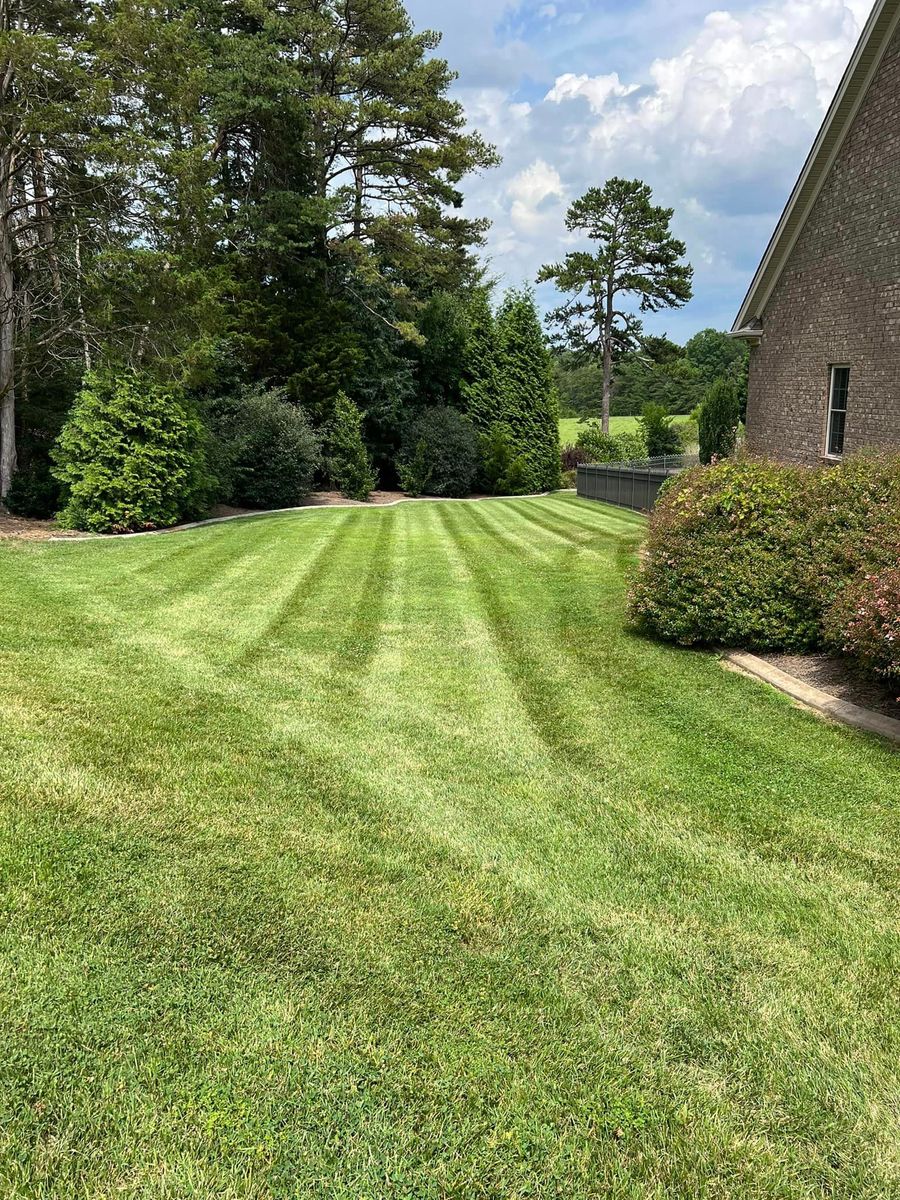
point(814, 698)
point(277, 512)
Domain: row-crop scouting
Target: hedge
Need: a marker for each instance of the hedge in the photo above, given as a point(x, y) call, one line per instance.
point(765, 556)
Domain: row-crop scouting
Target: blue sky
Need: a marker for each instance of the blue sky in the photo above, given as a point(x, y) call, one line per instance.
point(716, 108)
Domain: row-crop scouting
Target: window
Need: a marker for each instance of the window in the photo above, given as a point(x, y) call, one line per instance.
point(838, 395)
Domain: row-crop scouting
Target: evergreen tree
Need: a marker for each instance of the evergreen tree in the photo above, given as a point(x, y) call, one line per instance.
point(131, 456)
point(348, 461)
point(480, 384)
point(529, 405)
point(720, 416)
point(635, 256)
point(63, 151)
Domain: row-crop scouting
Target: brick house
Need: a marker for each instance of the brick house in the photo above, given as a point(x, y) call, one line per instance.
point(823, 312)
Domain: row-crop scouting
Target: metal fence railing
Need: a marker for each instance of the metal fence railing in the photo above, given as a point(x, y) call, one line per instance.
point(631, 484)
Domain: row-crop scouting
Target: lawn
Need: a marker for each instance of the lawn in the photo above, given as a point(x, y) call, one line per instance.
point(569, 427)
point(362, 854)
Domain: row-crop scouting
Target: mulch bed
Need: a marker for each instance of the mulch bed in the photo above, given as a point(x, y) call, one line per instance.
point(25, 529)
point(841, 678)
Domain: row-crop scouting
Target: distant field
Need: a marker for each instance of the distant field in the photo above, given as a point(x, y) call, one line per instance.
point(569, 427)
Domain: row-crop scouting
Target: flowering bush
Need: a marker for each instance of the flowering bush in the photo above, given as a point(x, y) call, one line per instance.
point(864, 621)
point(725, 559)
point(770, 557)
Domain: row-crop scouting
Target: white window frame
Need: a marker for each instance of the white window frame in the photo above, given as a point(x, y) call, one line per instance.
point(832, 371)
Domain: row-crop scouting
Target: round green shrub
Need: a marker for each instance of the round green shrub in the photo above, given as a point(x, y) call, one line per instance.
point(439, 455)
point(270, 450)
point(726, 559)
point(131, 456)
point(766, 556)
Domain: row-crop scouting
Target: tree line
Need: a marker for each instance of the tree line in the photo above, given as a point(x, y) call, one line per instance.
point(659, 371)
point(221, 209)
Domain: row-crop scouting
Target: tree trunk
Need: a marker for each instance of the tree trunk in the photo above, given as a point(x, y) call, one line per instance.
point(607, 361)
point(82, 320)
point(7, 332)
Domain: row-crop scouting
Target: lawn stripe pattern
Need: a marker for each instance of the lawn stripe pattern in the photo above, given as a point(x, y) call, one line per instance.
point(367, 854)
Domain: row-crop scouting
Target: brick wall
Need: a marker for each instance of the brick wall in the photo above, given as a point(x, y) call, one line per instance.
point(838, 299)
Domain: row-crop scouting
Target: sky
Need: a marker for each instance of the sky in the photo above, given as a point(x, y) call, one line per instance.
point(715, 108)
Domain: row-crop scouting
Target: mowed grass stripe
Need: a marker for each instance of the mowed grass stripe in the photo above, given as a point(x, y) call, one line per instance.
point(352, 921)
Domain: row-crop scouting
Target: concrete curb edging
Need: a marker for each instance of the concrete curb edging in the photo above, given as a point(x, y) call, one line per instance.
point(812, 697)
point(302, 508)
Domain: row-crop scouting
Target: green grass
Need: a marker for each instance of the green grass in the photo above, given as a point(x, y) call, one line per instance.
point(362, 854)
point(569, 427)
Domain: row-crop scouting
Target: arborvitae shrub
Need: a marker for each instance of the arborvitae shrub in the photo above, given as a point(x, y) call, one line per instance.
point(529, 403)
point(349, 465)
point(660, 434)
point(496, 452)
point(720, 417)
point(131, 456)
point(439, 455)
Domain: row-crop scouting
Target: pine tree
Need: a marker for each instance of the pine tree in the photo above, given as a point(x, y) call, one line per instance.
point(349, 464)
point(62, 194)
point(529, 403)
point(635, 256)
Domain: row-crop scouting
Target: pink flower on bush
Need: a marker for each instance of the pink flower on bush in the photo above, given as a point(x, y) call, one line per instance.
point(865, 621)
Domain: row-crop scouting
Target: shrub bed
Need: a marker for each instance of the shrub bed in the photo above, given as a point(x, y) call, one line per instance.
point(770, 557)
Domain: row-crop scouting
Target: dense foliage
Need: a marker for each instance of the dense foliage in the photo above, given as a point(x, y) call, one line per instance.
point(440, 454)
point(131, 456)
point(720, 417)
point(349, 465)
point(765, 556)
point(232, 197)
point(270, 451)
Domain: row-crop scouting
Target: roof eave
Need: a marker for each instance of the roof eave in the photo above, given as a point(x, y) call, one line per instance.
point(866, 60)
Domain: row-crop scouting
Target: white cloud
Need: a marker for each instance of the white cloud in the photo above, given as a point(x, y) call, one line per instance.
point(596, 89)
point(748, 86)
point(535, 193)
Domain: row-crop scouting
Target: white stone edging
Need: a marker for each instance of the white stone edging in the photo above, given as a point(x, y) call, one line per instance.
point(812, 697)
point(275, 512)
